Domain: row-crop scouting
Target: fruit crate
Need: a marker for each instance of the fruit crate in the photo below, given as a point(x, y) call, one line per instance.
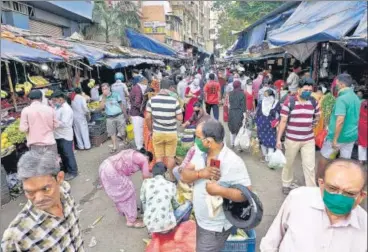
point(98, 140)
point(97, 129)
point(248, 245)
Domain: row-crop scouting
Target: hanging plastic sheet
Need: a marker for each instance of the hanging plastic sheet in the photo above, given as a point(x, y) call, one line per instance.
point(141, 41)
point(315, 21)
point(10, 50)
point(301, 51)
point(91, 53)
point(359, 37)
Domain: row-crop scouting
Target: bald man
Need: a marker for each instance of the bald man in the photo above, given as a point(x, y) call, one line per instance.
point(327, 218)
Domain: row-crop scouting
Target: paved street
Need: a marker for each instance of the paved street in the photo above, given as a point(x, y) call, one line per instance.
point(111, 231)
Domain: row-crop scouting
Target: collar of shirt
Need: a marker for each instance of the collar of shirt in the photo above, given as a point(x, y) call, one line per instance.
point(39, 215)
point(344, 91)
point(352, 219)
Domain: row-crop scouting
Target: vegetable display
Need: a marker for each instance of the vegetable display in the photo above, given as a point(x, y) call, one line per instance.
point(181, 151)
point(327, 105)
point(13, 134)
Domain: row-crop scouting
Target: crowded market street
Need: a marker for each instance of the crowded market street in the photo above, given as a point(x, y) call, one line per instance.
point(111, 231)
point(184, 126)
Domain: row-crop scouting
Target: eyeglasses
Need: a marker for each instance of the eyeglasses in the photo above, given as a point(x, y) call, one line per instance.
point(336, 190)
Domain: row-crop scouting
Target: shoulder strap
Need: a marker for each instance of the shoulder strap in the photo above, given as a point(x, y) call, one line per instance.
point(292, 103)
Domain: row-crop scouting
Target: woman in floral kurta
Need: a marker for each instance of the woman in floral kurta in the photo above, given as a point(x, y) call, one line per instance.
point(115, 174)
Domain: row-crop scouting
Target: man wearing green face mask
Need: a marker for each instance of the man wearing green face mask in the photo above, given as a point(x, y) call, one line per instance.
point(327, 218)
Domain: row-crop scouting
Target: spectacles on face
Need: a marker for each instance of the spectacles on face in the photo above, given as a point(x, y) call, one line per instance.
point(336, 190)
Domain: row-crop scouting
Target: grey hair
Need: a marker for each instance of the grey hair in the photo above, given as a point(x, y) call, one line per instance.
point(38, 163)
point(214, 129)
point(105, 85)
point(346, 79)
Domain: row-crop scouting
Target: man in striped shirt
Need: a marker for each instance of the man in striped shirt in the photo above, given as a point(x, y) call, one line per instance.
point(163, 112)
point(298, 115)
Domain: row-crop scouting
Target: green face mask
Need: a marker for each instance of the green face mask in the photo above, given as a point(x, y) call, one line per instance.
point(337, 203)
point(200, 146)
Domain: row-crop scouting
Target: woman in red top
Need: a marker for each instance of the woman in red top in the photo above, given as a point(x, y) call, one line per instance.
point(193, 92)
point(362, 132)
point(249, 96)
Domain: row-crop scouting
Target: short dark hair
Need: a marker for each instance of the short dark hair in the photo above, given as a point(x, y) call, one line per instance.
point(58, 94)
point(348, 162)
point(211, 76)
point(296, 65)
point(159, 169)
point(270, 92)
point(35, 94)
point(346, 79)
point(77, 90)
point(180, 78)
point(306, 82)
point(167, 83)
point(214, 129)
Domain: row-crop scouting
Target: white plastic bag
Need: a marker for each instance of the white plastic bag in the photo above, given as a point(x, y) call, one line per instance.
point(276, 160)
point(243, 137)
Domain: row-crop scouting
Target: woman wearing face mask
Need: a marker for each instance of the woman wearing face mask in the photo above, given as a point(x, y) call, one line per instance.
point(192, 93)
point(236, 110)
point(267, 116)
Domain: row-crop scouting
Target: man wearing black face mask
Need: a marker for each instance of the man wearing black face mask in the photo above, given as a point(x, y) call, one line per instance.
point(298, 115)
point(198, 116)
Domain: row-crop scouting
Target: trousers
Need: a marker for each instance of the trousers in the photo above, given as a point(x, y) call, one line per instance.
point(215, 109)
point(65, 149)
point(80, 127)
point(308, 153)
point(138, 131)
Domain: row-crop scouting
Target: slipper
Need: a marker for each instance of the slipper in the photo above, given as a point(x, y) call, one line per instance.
point(136, 224)
point(113, 151)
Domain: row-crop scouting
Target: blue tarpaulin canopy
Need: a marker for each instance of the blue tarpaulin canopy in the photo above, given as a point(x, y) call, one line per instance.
point(11, 50)
point(124, 62)
point(319, 21)
point(91, 53)
point(141, 41)
point(359, 37)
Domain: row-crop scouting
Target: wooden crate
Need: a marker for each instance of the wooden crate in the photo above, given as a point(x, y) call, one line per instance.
point(98, 140)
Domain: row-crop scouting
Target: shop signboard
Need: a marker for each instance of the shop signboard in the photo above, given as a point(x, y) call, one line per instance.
point(154, 27)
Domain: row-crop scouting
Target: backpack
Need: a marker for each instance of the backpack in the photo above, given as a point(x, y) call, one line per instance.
point(292, 105)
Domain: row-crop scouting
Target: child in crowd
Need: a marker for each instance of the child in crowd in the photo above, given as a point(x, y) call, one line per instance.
point(161, 211)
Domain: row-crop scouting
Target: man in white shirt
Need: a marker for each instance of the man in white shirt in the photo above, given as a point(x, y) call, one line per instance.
point(64, 135)
point(213, 231)
point(293, 79)
point(80, 124)
point(182, 86)
point(327, 218)
point(183, 70)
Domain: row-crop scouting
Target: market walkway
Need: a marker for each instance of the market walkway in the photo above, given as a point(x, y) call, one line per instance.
point(111, 231)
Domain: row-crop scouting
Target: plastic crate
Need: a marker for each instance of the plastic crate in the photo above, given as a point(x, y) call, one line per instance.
point(98, 140)
point(97, 129)
point(248, 245)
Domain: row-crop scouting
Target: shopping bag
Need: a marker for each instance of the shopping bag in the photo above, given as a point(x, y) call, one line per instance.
point(243, 137)
point(277, 160)
point(226, 113)
point(129, 131)
point(320, 138)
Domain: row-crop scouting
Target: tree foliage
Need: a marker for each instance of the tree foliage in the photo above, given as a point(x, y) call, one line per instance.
point(237, 15)
point(112, 20)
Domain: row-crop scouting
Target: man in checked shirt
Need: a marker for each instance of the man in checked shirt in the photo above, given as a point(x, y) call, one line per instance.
point(49, 221)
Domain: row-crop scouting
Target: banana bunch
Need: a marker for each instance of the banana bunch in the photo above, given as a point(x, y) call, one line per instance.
point(3, 94)
point(48, 93)
point(38, 81)
point(93, 105)
point(91, 83)
point(26, 86)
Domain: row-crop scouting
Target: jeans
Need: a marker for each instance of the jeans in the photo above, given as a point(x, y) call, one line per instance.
point(215, 109)
point(65, 149)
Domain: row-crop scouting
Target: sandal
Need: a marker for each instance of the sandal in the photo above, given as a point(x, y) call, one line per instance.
point(113, 151)
point(136, 224)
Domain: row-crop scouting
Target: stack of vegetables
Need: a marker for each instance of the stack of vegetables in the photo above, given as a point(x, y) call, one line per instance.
point(181, 150)
point(327, 105)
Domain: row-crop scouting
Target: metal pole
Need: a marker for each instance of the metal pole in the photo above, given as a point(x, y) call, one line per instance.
point(285, 67)
point(10, 84)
